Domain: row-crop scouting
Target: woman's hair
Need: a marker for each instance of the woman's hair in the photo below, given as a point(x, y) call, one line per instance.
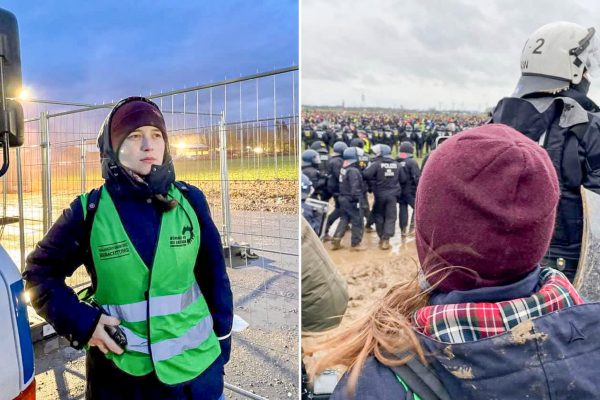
point(386, 331)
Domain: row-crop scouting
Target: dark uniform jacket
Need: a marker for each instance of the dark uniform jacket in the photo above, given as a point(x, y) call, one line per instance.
point(333, 174)
point(315, 176)
point(569, 129)
point(413, 173)
point(351, 183)
point(385, 176)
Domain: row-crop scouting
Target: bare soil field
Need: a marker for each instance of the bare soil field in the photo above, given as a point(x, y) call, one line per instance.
point(371, 273)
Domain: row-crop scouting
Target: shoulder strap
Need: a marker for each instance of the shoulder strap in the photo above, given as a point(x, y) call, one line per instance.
point(578, 130)
point(571, 168)
point(90, 205)
point(592, 162)
point(421, 381)
point(89, 201)
point(184, 189)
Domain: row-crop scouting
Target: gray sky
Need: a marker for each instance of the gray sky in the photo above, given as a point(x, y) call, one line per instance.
point(422, 54)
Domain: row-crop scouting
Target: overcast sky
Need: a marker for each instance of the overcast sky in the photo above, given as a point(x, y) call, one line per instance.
point(95, 51)
point(421, 54)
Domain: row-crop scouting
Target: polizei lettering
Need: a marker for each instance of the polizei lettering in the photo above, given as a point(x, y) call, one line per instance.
point(113, 250)
point(389, 165)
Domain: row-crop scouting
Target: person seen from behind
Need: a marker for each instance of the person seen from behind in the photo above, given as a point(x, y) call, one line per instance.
point(551, 106)
point(482, 319)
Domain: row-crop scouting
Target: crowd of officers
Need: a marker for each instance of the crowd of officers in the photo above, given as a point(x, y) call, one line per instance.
point(347, 157)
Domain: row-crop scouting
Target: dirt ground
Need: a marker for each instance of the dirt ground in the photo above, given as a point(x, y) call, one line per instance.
point(371, 273)
point(267, 196)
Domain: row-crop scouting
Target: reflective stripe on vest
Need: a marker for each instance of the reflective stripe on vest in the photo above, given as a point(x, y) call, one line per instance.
point(171, 332)
point(171, 347)
point(161, 305)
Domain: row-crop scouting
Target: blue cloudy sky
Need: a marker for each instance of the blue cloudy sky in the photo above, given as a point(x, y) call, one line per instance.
point(95, 51)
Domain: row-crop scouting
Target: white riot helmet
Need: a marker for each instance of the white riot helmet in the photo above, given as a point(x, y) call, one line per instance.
point(376, 150)
point(556, 56)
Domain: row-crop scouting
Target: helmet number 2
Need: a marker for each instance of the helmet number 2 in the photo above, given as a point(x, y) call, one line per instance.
point(537, 49)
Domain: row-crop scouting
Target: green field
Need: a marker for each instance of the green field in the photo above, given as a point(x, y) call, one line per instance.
point(246, 169)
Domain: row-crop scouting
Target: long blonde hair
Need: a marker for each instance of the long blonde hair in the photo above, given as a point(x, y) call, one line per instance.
point(385, 331)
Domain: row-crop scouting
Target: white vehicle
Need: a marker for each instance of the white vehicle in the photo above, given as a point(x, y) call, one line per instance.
point(16, 368)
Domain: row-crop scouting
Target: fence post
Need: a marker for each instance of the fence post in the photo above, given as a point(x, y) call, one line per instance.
point(82, 167)
point(274, 124)
point(4, 194)
point(21, 212)
point(224, 182)
point(46, 179)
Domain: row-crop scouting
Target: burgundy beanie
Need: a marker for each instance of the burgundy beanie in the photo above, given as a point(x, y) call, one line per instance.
point(485, 207)
point(131, 116)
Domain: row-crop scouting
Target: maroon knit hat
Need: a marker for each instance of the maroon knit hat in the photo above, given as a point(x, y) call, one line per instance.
point(132, 115)
point(485, 207)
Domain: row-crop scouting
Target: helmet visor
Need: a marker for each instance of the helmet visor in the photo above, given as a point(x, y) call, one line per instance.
point(591, 56)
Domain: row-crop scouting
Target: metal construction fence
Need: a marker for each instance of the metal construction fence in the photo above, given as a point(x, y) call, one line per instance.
point(237, 140)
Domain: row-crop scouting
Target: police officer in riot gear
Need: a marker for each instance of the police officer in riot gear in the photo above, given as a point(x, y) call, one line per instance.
point(311, 215)
point(388, 137)
point(550, 105)
point(409, 188)
point(363, 162)
point(417, 139)
point(321, 135)
point(377, 136)
point(334, 167)
point(351, 192)
point(386, 177)
point(311, 168)
point(336, 136)
point(308, 135)
point(349, 134)
point(357, 142)
point(321, 191)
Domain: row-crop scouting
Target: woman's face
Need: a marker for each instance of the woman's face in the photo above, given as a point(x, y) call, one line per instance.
point(142, 148)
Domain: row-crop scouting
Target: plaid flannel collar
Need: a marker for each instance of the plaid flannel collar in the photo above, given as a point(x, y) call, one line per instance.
point(466, 322)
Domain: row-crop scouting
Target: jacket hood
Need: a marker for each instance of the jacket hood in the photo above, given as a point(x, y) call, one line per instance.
point(123, 181)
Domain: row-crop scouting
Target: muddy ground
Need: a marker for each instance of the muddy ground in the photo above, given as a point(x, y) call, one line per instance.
point(371, 273)
point(276, 195)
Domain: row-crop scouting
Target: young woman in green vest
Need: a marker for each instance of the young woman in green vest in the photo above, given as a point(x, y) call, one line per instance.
point(156, 263)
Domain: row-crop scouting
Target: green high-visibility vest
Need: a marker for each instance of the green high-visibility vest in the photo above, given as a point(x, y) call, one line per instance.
point(166, 320)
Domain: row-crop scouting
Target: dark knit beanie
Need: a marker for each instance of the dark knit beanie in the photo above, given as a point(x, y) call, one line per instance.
point(485, 209)
point(131, 116)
